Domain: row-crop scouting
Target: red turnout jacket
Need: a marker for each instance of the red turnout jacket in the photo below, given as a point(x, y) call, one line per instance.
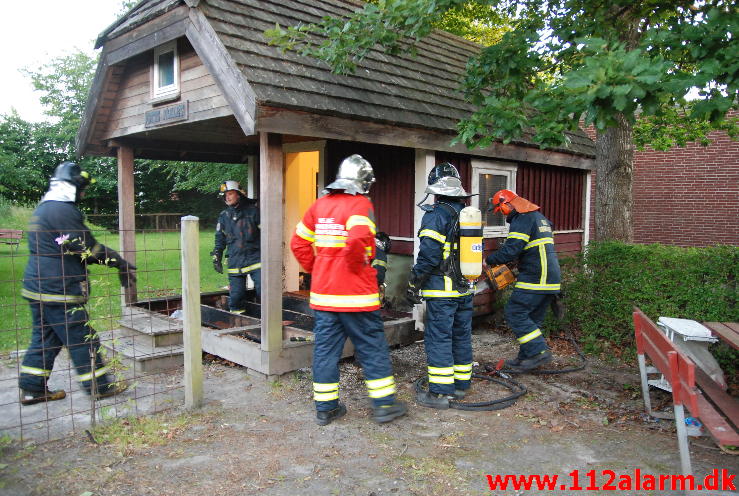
point(335, 242)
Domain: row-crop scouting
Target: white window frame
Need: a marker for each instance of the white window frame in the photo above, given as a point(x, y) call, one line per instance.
point(171, 91)
point(499, 168)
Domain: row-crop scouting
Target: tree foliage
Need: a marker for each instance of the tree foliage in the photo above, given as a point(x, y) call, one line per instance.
point(566, 60)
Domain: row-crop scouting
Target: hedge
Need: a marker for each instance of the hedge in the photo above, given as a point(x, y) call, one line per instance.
point(602, 286)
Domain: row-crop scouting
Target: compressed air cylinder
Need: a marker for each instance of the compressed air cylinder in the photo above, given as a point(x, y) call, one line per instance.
point(470, 242)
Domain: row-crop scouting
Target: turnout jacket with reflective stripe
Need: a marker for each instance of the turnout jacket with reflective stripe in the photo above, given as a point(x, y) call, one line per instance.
point(60, 244)
point(238, 231)
point(437, 226)
point(530, 240)
point(335, 242)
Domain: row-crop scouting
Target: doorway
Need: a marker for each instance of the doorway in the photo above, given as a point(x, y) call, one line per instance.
point(301, 182)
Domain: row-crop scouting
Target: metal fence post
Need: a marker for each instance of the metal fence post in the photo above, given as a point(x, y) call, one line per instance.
point(191, 312)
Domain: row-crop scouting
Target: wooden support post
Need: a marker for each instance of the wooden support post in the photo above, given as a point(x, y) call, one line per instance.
point(271, 216)
point(425, 161)
point(126, 215)
point(191, 310)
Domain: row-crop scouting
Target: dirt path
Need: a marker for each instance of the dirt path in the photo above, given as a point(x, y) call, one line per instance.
point(260, 438)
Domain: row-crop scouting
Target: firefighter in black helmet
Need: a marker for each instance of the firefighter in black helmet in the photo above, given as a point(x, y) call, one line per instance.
point(238, 233)
point(437, 279)
point(56, 286)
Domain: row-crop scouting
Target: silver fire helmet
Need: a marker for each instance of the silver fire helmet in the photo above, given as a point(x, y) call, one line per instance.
point(444, 180)
point(355, 176)
point(231, 186)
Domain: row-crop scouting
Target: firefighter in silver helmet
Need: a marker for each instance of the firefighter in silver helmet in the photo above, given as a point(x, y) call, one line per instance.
point(335, 242)
point(436, 277)
point(56, 286)
point(238, 235)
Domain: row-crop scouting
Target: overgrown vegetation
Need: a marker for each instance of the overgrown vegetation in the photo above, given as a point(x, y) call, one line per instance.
point(128, 434)
point(602, 286)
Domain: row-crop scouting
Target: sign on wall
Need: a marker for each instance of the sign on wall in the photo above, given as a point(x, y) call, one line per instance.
point(166, 115)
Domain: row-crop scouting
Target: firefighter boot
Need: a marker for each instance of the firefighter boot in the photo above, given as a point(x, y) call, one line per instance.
point(32, 397)
point(326, 417)
point(111, 389)
point(522, 365)
point(459, 394)
point(386, 413)
point(433, 400)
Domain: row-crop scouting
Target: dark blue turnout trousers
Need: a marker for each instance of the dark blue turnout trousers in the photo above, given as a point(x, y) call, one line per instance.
point(366, 331)
point(524, 313)
point(56, 325)
point(237, 289)
point(448, 343)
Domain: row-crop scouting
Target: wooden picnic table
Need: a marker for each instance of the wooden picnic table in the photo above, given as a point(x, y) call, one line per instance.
point(727, 331)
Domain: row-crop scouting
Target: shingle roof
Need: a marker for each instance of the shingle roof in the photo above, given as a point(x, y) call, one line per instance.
point(420, 90)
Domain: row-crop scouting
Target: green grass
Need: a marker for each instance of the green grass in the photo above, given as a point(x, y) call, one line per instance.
point(158, 274)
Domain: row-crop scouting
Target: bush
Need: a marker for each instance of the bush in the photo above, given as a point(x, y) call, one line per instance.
point(602, 286)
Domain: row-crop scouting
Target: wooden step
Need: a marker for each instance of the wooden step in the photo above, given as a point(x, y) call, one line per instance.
point(159, 329)
point(136, 351)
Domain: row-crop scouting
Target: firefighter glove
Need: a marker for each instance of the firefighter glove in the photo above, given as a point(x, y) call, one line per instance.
point(412, 296)
point(217, 264)
point(126, 273)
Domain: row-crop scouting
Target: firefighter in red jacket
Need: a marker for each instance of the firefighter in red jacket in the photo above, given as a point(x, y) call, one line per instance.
point(335, 243)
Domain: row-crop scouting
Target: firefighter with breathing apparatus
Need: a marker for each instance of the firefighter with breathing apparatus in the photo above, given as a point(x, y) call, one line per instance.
point(530, 241)
point(56, 286)
point(449, 259)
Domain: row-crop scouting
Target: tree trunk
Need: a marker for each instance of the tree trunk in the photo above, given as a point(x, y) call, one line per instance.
point(613, 183)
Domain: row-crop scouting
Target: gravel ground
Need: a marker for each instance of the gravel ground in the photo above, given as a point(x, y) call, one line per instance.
point(254, 437)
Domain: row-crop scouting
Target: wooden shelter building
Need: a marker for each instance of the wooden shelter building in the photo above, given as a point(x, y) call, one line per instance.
point(196, 80)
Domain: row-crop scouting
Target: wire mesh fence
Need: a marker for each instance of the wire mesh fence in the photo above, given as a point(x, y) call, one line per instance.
point(88, 343)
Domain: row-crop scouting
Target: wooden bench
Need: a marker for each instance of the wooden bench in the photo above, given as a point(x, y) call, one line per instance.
point(718, 411)
point(11, 237)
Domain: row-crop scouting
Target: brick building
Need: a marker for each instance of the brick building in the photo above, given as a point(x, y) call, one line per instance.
point(685, 196)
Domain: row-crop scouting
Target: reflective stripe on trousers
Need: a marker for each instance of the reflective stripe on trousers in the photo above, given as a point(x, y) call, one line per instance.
point(366, 331)
point(448, 343)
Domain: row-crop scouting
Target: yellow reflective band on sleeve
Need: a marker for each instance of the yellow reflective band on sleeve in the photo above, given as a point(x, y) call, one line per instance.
point(234, 271)
point(528, 337)
point(304, 232)
point(360, 220)
point(330, 241)
point(543, 263)
point(99, 372)
point(325, 391)
point(378, 263)
point(380, 388)
point(25, 369)
point(430, 233)
point(518, 235)
point(539, 242)
point(345, 301)
point(251, 267)
point(532, 286)
point(52, 298)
